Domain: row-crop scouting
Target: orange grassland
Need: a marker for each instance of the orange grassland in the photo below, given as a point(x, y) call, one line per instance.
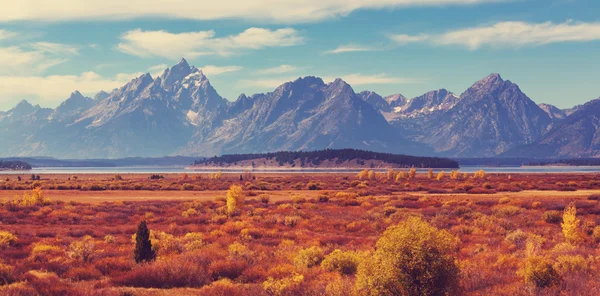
point(72, 235)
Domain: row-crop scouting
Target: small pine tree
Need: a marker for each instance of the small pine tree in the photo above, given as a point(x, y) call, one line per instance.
point(143, 247)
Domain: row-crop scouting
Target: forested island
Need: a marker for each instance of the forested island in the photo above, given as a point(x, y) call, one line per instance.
point(14, 165)
point(328, 158)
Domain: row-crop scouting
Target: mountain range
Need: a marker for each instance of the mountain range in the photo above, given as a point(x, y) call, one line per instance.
point(180, 113)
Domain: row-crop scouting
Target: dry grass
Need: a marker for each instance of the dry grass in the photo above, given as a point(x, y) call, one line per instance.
point(226, 254)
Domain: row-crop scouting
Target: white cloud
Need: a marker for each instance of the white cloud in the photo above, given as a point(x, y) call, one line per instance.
point(15, 60)
point(510, 34)
point(278, 70)
point(262, 10)
point(349, 48)
point(211, 70)
point(55, 48)
point(51, 90)
point(193, 44)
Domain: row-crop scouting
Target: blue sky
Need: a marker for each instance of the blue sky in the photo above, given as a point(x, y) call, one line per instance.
point(548, 47)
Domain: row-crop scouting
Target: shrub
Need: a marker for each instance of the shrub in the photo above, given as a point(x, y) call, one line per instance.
point(7, 274)
point(313, 186)
point(41, 252)
point(567, 264)
point(7, 239)
point(596, 234)
point(506, 211)
point(517, 237)
point(181, 271)
point(264, 198)
point(309, 257)
point(539, 272)
point(412, 258)
point(81, 251)
point(504, 200)
point(291, 221)
point(440, 175)
point(553, 217)
point(412, 173)
point(342, 262)
point(298, 199)
point(285, 286)
point(193, 241)
point(594, 197)
point(83, 274)
point(189, 213)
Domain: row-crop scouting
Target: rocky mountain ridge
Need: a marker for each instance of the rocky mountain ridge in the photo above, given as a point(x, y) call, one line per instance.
point(180, 113)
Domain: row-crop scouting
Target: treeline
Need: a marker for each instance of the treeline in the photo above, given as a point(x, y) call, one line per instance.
point(494, 161)
point(14, 165)
point(342, 155)
point(572, 162)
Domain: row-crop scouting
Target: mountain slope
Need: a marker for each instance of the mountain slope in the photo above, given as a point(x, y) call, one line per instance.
point(578, 136)
point(18, 125)
point(375, 100)
point(429, 102)
point(491, 117)
point(554, 112)
point(306, 114)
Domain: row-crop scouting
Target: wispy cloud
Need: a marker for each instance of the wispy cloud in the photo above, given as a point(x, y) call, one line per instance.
point(403, 39)
point(55, 48)
point(352, 79)
point(211, 70)
point(193, 44)
point(509, 34)
point(6, 34)
point(349, 48)
point(371, 79)
point(157, 70)
point(278, 70)
point(257, 10)
point(265, 83)
point(52, 89)
point(15, 60)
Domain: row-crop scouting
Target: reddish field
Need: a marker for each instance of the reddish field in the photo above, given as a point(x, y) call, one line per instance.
point(74, 237)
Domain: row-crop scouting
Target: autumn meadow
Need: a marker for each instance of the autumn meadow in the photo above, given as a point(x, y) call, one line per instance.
point(371, 233)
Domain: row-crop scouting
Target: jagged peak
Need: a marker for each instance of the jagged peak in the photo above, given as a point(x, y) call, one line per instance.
point(76, 93)
point(491, 82)
point(495, 76)
point(144, 78)
point(395, 98)
point(339, 83)
point(23, 104)
point(309, 80)
point(101, 95)
point(183, 62)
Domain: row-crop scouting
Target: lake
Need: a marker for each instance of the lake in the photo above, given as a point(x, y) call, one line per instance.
point(182, 169)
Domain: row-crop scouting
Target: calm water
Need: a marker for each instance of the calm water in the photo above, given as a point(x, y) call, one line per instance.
point(181, 169)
